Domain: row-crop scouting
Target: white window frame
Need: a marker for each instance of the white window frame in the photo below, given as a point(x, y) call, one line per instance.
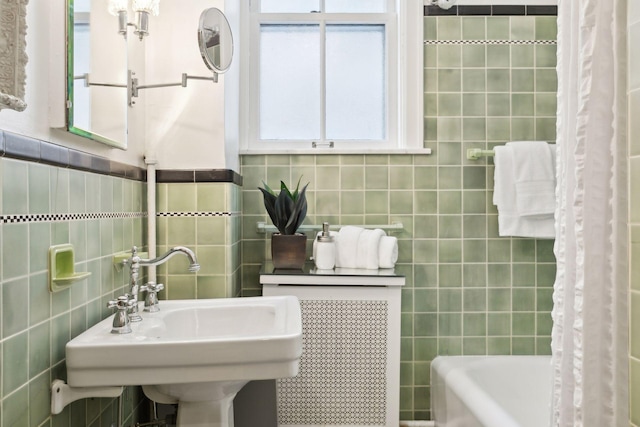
point(404, 52)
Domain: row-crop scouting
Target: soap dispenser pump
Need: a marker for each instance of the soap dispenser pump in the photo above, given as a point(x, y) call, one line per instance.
point(325, 249)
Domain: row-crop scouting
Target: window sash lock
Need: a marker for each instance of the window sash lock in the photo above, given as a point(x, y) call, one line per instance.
point(328, 144)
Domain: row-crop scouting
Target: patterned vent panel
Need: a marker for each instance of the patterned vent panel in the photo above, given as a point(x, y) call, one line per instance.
point(343, 368)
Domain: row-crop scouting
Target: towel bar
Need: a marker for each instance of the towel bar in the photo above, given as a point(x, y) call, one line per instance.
point(477, 153)
point(263, 227)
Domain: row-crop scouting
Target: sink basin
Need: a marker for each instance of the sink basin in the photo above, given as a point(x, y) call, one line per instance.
point(192, 341)
point(196, 353)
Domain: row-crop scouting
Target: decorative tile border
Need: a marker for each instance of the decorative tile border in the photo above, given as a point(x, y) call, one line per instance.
point(489, 10)
point(30, 218)
point(490, 42)
point(26, 148)
point(197, 214)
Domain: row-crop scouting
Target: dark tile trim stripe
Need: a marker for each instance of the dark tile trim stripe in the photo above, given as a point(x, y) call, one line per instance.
point(22, 147)
point(474, 10)
point(209, 175)
point(496, 10)
point(542, 10)
point(507, 10)
point(433, 10)
point(28, 218)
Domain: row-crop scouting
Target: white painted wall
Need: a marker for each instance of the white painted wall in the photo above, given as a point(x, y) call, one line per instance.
point(184, 126)
point(34, 121)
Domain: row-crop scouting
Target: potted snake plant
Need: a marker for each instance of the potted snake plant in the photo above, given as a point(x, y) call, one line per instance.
point(287, 211)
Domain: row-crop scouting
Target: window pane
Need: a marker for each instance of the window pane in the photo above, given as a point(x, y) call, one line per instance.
point(356, 82)
point(289, 82)
point(289, 6)
point(355, 6)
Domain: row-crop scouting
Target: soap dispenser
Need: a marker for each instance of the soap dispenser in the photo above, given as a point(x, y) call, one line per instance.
point(324, 249)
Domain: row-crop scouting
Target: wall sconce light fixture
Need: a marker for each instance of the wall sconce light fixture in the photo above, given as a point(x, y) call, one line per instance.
point(142, 8)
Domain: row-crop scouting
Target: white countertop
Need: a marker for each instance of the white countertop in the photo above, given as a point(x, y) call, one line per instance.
point(309, 275)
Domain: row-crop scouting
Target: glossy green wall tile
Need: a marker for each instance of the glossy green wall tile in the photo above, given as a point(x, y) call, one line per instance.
point(36, 324)
point(634, 201)
point(468, 291)
point(205, 217)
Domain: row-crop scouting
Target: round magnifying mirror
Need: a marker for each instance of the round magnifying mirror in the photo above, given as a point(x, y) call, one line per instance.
point(215, 40)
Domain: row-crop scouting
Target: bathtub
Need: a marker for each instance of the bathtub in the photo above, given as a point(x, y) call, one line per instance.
point(491, 391)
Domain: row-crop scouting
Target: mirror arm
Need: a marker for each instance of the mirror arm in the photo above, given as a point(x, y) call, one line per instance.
point(134, 87)
point(107, 84)
point(88, 83)
point(213, 79)
point(84, 77)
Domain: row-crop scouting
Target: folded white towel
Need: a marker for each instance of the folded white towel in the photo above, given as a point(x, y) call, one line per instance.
point(347, 246)
point(368, 244)
point(535, 177)
point(510, 222)
point(388, 252)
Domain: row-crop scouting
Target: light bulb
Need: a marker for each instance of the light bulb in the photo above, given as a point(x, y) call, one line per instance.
point(116, 6)
point(150, 6)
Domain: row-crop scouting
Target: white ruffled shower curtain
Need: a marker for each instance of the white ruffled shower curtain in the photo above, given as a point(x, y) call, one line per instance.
point(590, 332)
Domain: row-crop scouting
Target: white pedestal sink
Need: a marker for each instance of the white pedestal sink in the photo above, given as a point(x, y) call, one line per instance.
point(197, 353)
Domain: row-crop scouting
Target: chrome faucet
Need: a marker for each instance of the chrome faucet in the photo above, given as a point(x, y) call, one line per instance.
point(136, 262)
point(193, 261)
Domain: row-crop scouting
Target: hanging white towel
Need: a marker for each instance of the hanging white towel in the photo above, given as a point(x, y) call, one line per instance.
point(535, 177)
point(510, 222)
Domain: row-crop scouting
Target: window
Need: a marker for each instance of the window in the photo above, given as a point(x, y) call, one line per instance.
point(325, 73)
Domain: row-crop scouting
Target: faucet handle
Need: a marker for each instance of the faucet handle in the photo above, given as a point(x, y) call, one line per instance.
point(121, 322)
point(151, 303)
point(123, 302)
point(152, 287)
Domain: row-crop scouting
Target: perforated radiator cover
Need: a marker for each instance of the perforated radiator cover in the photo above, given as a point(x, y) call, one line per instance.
point(343, 368)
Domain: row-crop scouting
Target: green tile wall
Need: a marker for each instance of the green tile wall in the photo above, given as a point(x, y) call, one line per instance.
point(468, 291)
point(36, 324)
point(206, 218)
point(634, 199)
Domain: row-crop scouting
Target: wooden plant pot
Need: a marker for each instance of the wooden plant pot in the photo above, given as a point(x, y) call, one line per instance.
point(288, 251)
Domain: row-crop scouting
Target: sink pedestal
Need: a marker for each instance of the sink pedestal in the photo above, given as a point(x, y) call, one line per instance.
point(206, 414)
point(207, 404)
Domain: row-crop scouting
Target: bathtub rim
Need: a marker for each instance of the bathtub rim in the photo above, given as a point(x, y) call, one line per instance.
point(451, 371)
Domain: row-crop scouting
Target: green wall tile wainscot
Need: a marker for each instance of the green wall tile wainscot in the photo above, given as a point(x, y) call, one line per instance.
point(42, 205)
point(634, 201)
point(204, 216)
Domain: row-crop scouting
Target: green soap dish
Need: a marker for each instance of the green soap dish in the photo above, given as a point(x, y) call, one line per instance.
point(62, 272)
